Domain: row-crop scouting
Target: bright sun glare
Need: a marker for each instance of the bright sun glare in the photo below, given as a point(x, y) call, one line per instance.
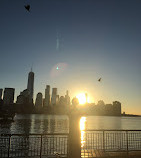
point(82, 98)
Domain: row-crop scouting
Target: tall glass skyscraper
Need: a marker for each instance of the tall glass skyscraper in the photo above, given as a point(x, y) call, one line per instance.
point(47, 95)
point(8, 97)
point(54, 96)
point(30, 85)
point(1, 90)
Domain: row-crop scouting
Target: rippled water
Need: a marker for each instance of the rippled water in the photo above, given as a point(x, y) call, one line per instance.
point(39, 123)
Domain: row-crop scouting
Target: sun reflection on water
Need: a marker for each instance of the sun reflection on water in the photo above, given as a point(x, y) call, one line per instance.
point(82, 128)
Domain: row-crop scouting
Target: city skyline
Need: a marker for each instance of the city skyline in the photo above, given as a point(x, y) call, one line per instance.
point(48, 99)
point(70, 45)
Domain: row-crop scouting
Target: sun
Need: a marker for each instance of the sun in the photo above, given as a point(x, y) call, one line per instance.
point(82, 98)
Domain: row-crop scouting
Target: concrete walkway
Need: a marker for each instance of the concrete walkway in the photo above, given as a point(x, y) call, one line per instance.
point(102, 154)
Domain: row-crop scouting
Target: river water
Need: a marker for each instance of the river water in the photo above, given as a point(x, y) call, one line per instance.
point(40, 123)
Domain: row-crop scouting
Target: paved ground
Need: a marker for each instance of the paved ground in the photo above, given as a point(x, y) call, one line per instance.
point(102, 154)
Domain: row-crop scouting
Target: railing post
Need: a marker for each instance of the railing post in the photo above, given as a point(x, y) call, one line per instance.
point(127, 140)
point(9, 144)
point(68, 147)
point(41, 147)
point(74, 136)
point(103, 140)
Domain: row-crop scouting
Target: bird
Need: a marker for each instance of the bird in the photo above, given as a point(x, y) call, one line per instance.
point(27, 7)
point(99, 79)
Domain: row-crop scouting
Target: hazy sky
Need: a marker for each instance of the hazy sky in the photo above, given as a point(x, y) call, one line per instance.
point(85, 39)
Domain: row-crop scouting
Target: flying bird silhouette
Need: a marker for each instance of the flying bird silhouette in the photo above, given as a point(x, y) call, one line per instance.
point(27, 7)
point(99, 79)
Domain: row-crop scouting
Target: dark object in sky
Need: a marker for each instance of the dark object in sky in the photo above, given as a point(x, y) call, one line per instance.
point(27, 7)
point(99, 79)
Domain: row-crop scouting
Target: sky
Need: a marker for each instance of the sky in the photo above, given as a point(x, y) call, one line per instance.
point(70, 45)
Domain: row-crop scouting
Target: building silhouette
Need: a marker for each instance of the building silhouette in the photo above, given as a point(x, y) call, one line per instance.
point(67, 98)
point(23, 98)
point(54, 96)
point(39, 100)
point(30, 85)
point(57, 99)
point(62, 100)
point(47, 96)
point(117, 107)
point(8, 97)
point(1, 90)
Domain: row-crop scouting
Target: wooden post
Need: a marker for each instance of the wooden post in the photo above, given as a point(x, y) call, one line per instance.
point(74, 135)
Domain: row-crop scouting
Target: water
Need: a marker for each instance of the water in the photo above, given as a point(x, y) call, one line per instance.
point(39, 123)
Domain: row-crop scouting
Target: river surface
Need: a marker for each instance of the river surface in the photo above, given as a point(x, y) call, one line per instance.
point(40, 123)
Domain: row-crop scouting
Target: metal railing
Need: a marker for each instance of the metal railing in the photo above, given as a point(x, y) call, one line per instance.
point(112, 140)
point(46, 145)
point(39, 145)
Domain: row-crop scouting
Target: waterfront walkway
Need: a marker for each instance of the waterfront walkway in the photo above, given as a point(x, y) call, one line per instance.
point(102, 154)
point(95, 143)
point(97, 154)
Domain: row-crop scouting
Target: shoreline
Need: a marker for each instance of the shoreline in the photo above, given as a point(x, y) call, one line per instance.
point(122, 115)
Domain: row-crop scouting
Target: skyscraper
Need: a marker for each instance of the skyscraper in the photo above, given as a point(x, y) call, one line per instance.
point(1, 93)
point(67, 98)
point(23, 98)
point(8, 97)
point(39, 100)
point(30, 85)
point(117, 108)
point(47, 96)
point(54, 96)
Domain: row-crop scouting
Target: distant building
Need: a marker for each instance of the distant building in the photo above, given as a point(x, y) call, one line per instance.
point(39, 100)
point(1, 90)
point(117, 108)
point(47, 96)
point(30, 85)
point(20, 99)
point(43, 102)
point(54, 96)
point(67, 98)
point(8, 97)
point(62, 100)
point(109, 109)
point(57, 99)
point(24, 97)
point(100, 103)
point(75, 101)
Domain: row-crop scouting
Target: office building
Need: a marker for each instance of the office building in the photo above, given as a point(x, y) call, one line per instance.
point(62, 101)
point(67, 98)
point(1, 90)
point(57, 99)
point(39, 100)
point(54, 96)
point(47, 96)
point(117, 108)
point(8, 97)
point(30, 85)
point(23, 98)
